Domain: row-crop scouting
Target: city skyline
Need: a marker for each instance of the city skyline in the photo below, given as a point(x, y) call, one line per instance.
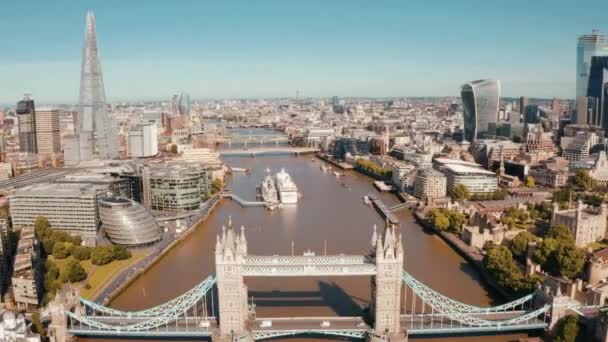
point(272, 49)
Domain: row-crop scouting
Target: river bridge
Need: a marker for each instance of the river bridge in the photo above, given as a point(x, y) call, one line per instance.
point(253, 152)
point(218, 307)
point(253, 139)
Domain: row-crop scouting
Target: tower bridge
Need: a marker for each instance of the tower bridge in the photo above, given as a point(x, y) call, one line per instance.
point(193, 314)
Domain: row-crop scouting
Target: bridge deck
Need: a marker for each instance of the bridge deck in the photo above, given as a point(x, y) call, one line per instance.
point(302, 265)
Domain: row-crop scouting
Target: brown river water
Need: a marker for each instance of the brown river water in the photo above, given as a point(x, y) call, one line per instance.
point(330, 217)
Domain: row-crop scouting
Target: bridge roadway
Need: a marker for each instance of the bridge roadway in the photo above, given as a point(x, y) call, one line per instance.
point(269, 150)
point(308, 265)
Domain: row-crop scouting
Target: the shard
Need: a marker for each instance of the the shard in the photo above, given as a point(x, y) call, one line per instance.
point(96, 136)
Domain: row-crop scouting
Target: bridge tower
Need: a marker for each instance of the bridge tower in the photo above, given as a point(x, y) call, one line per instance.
point(386, 284)
point(230, 250)
point(66, 299)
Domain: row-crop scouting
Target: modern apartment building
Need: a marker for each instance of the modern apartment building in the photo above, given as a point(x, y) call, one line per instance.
point(471, 175)
point(430, 184)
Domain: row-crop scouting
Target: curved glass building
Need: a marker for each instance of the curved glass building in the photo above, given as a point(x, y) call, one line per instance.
point(183, 104)
point(127, 222)
point(480, 101)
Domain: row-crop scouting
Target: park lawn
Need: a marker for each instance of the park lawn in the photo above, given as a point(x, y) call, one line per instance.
point(101, 275)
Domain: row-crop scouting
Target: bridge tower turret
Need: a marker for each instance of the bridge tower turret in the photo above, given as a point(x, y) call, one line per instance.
point(387, 250)
point(230, 250)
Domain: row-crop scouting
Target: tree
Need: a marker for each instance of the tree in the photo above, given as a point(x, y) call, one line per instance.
point(561, 233)
point(530, 182)
point(102, 255)
point(461, 192)
point(563, 195)
point(544, 250)
point(441, 221)
point(519, 244)
point(457, 219)
point(499, 262)
point(120, 253)
point(583, 180)
point(81, 253)
point(61, 250)
point(217, 185)
point(75, 272)
point(569, 260)
point(567, 330)
point(37, 324)
point(42, 228)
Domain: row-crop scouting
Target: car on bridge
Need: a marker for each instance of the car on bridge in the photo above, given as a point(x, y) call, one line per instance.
point(325, 324)
point(265, 324)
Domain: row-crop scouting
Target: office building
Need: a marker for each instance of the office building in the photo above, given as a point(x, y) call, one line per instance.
point(582, 111)
point(480, 101)
point(5, 255)
point(430, 184)
point(531, 114)
point(26, 280)
point(351, 146)
point(588, 45)
point(177, 188)
point(597, 92)
point(587, 224)
point(26, 114)
point(96, 138)
point(69, 207)
point(475, 178)
point(523, 103)
point(48, 133)
point(183, 104)
point(579, 147)
point(127, 222)
point(143, 141)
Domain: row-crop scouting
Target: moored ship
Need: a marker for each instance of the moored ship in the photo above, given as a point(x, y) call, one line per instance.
point(286, 188)
point(269, 190)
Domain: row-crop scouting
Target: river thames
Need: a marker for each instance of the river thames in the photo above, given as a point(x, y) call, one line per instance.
point(330, 217)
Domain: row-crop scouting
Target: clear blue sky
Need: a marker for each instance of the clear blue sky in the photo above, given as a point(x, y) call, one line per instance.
point(212, 49)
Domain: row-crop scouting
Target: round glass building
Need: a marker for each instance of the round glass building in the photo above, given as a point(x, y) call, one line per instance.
point(127, 222)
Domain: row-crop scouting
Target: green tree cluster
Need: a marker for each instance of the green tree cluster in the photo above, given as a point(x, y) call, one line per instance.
point(461, 192)
point(583, 180)
point(514, 216)
point(216, 186)
point(499, 262)
point(373, 168)
point(540, 211)
point(105, 254)
point(567, 329)
point(519, 244)
point(557, 253)
point(500, 194)
point(530, 182)
point(447, 220)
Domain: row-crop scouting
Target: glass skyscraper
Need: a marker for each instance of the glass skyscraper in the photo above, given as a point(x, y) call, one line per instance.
point(597, 92)
point(183, 104)
point(480, 100)
point(589, 45)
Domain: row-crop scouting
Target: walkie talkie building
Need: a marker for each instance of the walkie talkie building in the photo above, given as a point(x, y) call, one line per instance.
point(480, 100)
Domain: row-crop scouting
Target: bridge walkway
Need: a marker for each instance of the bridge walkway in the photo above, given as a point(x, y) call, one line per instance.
point(243, 202)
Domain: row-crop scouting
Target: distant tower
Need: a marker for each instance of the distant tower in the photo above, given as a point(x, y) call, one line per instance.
point(230, 250)
point(97, 136)
point(26, 114)
point(386, 285)
point(501, 169)
point(183, 104)
point(480, 101)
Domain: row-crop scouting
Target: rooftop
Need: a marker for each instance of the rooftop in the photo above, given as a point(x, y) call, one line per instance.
point(44, 190)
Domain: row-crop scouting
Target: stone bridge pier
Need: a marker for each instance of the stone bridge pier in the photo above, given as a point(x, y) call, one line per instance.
point(66, 299)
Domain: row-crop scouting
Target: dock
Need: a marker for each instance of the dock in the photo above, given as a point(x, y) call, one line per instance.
point(242, 202)
point(381, 186)
point(342, 165)
point(384, 210)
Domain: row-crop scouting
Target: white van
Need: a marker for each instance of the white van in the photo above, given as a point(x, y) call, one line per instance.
point(265, 324)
